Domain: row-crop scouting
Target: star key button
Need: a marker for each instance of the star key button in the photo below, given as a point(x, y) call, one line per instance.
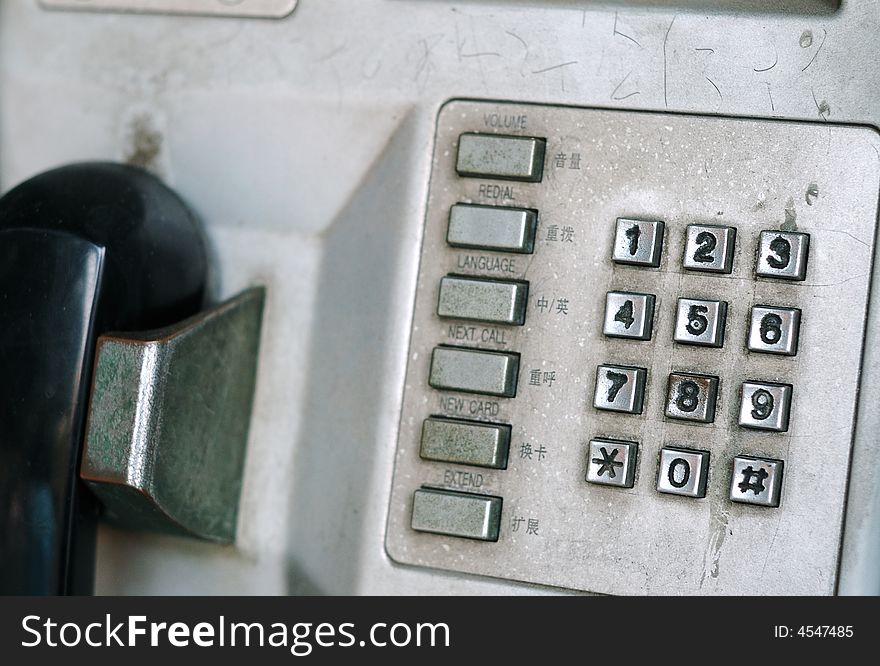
point(612, 462)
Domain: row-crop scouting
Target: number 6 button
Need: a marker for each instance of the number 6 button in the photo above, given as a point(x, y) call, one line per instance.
point(765, 406)
point(783, 254)
point(774, 330)
point(691, 397)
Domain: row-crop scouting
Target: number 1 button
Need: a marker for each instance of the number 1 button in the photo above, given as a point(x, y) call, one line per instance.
point(620, 388)
point(709, 248)
point(638, 243)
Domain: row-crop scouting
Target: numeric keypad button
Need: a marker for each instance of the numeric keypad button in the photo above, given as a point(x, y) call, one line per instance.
point(774, 330)
point(691, 397)
point(765, 406)
point(612, 463)
point(699, 322)
point(709, 248)
point(683, 472)
point(756, 481)
point(620, 388)
point(629, 315)
point(783, 255)
point(638, 242)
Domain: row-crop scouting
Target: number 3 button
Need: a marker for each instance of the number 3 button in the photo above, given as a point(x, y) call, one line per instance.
point(765, 406)
point(783, 254)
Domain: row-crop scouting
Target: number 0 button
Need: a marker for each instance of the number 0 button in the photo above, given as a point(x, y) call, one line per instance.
point(774, 330)
point(783, 254)
point(691, 397)
point(765, 406)
point(709, 248)
point(700, 322)
point(620, 388)
point(683, 472)
point(638, 242)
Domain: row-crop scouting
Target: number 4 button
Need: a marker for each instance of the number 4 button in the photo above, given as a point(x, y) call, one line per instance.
point(628, 315)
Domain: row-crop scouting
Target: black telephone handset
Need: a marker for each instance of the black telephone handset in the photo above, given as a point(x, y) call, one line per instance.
point(84, 249)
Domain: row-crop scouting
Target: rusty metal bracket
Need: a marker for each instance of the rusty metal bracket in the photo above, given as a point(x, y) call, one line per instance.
point(168, 421)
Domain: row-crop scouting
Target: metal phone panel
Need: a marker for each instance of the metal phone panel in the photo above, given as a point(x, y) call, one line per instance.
point(558, 529)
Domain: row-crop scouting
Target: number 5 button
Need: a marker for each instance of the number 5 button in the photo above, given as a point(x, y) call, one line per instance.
point(700, 322)
point(783, 254)
point(774, 330)
point(765, 406)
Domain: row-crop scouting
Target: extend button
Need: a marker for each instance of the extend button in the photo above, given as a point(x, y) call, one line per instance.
point(456, 514)
point(490, 301)
point(501, 157)
point(474, 371)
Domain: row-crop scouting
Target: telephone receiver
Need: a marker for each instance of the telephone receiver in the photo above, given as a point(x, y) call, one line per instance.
point(84, 249)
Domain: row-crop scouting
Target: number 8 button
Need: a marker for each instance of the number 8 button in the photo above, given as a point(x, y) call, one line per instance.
point(765, 406)
point(691, 397)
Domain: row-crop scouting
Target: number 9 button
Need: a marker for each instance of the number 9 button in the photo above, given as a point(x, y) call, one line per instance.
point(765, 406)
point(774, 330)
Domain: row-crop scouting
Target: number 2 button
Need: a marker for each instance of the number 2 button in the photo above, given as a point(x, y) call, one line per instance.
point(783, 254)
point(620, 388)
point(709, 248)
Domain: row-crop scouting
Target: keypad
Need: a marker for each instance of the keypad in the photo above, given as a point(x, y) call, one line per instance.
point(612, 362)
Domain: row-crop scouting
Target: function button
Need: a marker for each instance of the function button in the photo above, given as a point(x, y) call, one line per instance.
point(765, 406)
point(683, 472)
point(456, 514)
point(783, 255)
point(700, 322)
point(612, 462)
point(474, 371)
point(502, 157)
point(620, 388)
point(774, 330)
point(691, 397)
point(709, 247)
point(492, 228)
point(479, 299)
point(756, 481)
point(638, 242)
point(629, 315)
point(465, 442)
